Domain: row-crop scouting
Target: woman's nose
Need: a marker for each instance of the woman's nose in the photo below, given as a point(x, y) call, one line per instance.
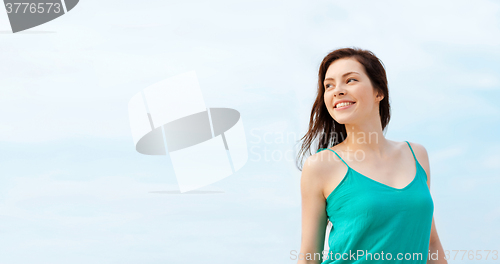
point(339, 92)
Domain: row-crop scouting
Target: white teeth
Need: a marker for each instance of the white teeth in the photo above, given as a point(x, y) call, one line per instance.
point(343, 104)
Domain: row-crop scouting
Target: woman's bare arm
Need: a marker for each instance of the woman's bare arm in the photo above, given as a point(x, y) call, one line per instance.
point(314, 219)
point(435, 247)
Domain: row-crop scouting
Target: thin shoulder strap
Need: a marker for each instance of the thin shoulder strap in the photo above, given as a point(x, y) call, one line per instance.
point(411, 150)
point(321, 149)
point(338, 156)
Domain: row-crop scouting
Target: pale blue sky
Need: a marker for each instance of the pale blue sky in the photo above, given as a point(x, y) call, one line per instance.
point(73, 189)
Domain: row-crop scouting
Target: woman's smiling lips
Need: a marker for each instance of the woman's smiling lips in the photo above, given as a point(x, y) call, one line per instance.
point(344, 107)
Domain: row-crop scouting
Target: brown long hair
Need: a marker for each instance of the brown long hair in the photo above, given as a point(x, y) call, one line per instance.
point(321, 125)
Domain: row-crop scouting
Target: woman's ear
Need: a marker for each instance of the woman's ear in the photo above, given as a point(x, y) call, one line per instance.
point(380, 96)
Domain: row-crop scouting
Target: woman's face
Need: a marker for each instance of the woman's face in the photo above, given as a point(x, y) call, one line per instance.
point(347, 80)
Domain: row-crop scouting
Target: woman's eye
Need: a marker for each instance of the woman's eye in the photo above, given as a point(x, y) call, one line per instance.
point(327, 86)
point(350, 79)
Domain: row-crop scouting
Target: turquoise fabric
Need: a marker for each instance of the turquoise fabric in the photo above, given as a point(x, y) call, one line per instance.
point(371, 217)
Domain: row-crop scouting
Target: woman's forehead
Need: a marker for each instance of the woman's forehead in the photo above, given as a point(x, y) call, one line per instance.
point(340, 67)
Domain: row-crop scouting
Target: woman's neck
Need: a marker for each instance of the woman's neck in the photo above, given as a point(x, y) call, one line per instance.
point(368, 137)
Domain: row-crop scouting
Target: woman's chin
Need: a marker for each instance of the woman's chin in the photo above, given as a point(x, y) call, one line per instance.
point(343, 120)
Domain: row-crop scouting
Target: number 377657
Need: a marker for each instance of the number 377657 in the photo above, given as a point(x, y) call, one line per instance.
point(33, 8)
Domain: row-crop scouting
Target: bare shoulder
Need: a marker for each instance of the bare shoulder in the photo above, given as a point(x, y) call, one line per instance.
point(314, 167)
point(420, 153)
point(323, 172)
point(311, 177)
point(422, 157)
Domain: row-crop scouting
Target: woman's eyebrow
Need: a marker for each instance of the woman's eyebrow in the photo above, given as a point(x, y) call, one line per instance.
point(345, 74)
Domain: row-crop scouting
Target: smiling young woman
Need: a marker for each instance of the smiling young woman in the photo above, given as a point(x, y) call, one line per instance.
point(375, 192)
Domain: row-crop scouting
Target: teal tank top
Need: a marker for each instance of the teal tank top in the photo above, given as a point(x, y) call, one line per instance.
point(373, 222)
